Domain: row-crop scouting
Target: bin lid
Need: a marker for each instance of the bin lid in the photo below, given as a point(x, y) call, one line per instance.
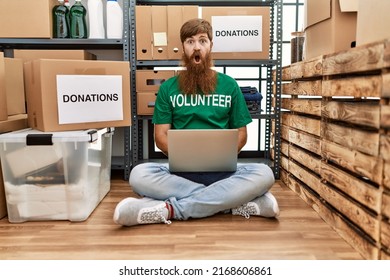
point(37, 137)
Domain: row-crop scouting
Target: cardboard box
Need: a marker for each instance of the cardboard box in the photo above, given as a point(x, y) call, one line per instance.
point(145, 103)
point(177, 15)
point(159, 33)
point(147, 85)
point(329, 25)
point(13, 123)
point(143, 18)
point(3, 93)
point(14, 84)
point(239, 32)
point(21, 19)
point(3, 204)
point(158, 30)
point(373, 21)
point(61, 176)
point(73, 105)
point(150, 80)
point(28, 55)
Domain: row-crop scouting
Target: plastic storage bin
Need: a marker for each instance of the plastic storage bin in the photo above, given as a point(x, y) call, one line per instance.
point(55, 176)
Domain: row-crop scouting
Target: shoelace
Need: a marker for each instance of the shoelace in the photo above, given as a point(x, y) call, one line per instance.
point(245, 210)
point(155, 216)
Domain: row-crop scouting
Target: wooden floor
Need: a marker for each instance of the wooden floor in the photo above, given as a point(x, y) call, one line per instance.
point(299, 234)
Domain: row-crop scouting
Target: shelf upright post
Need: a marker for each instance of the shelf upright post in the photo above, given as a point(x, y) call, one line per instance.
point(131, 133)
point(268, 103)
point(278, 86)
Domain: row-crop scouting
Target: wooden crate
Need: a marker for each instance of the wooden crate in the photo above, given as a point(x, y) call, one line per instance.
point(336, 125)
point(385, 226)
point(338, 222)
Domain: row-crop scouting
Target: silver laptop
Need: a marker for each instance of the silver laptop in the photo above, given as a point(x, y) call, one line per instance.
point(202, 150)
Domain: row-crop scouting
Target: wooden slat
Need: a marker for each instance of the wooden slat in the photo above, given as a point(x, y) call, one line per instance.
point(309, 161)
point(386, 205)
point(284, 148)
point(385, 147)
point(284, 176)
point(359, 59)
point(385, 116)
point(361, 113)
point(385, 235)
point(309, 178)
point(352, 211)
point(352, 186)
point(286, 73)
point(352, 138)
point(307, 69)
point(367, 86)
point(386, 175)
point(364, 165)
point(284, 132)
point(306, 88)
point(361, 244)
point(386, 84)
point(284, 162)
point(307, 124)
point(386, 54)
point(301, 105)
point(305, 140)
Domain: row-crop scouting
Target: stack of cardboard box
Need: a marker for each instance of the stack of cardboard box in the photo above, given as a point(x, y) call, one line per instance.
point(68, 134)
point(12, 106)
point(239, 32)
point(338, 25)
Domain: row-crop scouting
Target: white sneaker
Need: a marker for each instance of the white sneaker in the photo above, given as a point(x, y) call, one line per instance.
point(265, 205)
point(133, 211)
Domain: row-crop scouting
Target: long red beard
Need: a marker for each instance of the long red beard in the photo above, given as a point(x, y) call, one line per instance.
point(197, 77)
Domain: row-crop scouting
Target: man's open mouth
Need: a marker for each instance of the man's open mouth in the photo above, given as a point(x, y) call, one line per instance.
point(197, 58)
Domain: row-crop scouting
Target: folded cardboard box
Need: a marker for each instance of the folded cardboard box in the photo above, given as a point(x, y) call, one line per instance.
point(329, 25)
point(77, 94)
point(14, 84)
point(15, 122)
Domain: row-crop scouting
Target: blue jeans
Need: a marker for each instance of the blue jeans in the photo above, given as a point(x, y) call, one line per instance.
point(201, 198)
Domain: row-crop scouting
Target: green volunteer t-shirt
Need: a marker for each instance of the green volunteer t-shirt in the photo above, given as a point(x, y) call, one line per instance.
point(226, 108)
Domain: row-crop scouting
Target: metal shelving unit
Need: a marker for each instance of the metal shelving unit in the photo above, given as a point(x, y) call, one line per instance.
point(271, 114)
point(8, 44)
point(133, 142)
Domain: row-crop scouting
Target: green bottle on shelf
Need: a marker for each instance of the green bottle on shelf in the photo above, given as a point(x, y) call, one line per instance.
point(61, 20)
point(78, 25)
